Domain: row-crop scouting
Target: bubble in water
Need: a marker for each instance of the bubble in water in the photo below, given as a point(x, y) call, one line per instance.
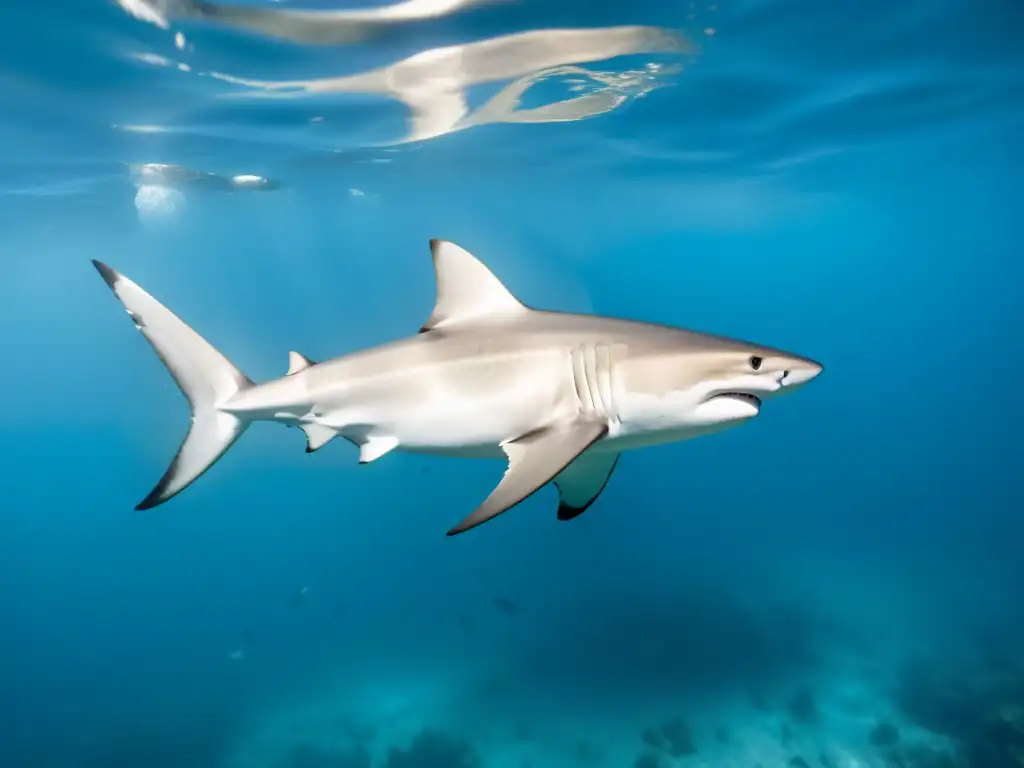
point(156, 203)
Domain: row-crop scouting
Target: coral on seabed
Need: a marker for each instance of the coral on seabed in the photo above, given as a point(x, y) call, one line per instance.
point(433, 749)
point(305, 756)
point(672, 737)
point(884, 735)
point(647, 760)
point(802, 706)
point(981, 710)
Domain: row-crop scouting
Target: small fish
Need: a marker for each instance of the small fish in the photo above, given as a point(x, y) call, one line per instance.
point(505, 605)
point(300, 596)
point(237, 655)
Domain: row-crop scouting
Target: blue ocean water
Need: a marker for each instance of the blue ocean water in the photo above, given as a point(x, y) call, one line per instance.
point(837, 583)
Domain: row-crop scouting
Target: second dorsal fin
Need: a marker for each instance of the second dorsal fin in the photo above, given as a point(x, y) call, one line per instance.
point(297, 362)
point(466, 289)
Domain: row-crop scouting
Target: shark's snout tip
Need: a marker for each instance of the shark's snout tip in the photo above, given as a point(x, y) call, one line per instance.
point(802, 373)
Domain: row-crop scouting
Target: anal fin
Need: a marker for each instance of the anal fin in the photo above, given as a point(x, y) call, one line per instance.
point(317, 436)
point(580, 483)
point(534, 460)
point(374, 447)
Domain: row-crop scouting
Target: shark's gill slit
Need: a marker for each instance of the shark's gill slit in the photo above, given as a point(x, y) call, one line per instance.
point(603, 364)
point(579, 380)
point(590, 358)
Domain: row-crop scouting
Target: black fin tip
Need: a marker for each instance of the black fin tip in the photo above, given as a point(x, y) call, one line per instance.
point(109, 275)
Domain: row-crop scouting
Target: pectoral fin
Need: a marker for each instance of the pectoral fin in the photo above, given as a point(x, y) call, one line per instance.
point(533, 461)
point(581, 482)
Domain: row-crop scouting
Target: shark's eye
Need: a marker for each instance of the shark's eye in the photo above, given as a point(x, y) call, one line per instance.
point(755, 362)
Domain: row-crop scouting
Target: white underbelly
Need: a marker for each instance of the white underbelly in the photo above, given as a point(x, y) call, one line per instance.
point(647, 420)
point(462, 410)
point(448, 424)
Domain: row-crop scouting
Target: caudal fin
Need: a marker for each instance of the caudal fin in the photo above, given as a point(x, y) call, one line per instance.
point(205, 376)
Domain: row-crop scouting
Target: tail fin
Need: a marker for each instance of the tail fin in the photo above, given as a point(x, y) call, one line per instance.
point(205, 376)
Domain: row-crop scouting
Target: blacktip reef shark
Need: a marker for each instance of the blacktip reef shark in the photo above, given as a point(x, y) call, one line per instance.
point(559, 396)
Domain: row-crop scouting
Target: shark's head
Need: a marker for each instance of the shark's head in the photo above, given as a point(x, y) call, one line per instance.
point(707, 383)
point(735, 382)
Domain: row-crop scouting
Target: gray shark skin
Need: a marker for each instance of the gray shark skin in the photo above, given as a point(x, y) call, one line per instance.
point(559, 396)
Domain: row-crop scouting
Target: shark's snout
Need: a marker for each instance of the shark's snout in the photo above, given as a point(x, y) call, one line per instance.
point(800, 373)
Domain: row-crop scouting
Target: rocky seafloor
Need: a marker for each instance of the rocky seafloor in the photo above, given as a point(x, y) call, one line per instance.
point(920, 713)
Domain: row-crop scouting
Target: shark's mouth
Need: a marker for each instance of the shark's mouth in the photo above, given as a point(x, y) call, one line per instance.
point(745, 397)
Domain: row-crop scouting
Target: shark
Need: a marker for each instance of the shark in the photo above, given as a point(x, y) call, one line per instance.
point(558, 396)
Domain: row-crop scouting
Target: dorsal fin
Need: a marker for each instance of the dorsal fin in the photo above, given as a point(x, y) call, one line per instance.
point(466, 289)
point(297, 362)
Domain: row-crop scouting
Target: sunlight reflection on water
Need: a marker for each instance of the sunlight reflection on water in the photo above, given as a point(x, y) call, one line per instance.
point(433, 84)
